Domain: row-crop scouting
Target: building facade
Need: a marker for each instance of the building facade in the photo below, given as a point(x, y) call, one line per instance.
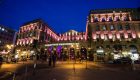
point(68, 44)
point(6, 38)
point(33, 34)
point(113, 31)
point(110, 34)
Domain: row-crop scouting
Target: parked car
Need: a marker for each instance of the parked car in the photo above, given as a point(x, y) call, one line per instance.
point(126, 60)
point(117, 61)
point(110, 62)
point(137, 61)
point(123, 60)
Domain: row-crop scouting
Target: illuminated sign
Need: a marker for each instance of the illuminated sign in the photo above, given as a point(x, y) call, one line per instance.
point(56, 44)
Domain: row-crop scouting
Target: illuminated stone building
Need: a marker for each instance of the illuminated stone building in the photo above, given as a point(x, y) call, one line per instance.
point(35, 32)
point(6, 38)
point(110, 33)
point(39, 31)
point(114, 31)
point(71, 40)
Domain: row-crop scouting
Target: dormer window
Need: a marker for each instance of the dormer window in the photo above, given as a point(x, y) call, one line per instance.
point(126, 19)
point(110, 19)
point(96, 20)
point(103, 19)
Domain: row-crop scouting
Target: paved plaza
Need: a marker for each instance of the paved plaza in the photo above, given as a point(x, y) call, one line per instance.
point(70, 71)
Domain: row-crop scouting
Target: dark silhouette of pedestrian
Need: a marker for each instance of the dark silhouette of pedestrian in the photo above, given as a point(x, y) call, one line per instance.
point(37, 56)
point(54, 58)
point(1, 59)
point(50, 60)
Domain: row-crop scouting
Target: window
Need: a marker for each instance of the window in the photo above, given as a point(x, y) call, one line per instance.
point(110, 19)
point(122, 36)
point(117, 19)
point(104, 27)
point(96, 19)
point(97, 28)
point(106, 36)
point(103, 19)
point(126, 19)
point(120, 27)
point(127, 27)
point(97, 35)
point(112, 27)
point(31, 34)
point(129, 35)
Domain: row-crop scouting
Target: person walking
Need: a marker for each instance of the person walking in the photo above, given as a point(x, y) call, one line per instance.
point(54, 58)
point(1, 59)
point(50, 60)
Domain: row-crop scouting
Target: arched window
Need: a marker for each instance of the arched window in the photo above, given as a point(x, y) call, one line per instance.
point(103, 19)
point(97, 36)
point(112, 27)
point(104, 27)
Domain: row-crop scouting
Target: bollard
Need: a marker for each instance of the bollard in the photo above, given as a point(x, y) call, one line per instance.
point(26, 72)
point(14, 76)
point(74, 65)
point(86, 63)
point(133, 65)
point(34, 68)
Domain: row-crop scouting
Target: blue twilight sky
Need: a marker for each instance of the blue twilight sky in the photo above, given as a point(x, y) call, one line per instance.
point(61, 15)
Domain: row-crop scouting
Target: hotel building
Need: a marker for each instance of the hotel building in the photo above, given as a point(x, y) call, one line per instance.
point(113, 31)
point(33, 33)
point(110, 34)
